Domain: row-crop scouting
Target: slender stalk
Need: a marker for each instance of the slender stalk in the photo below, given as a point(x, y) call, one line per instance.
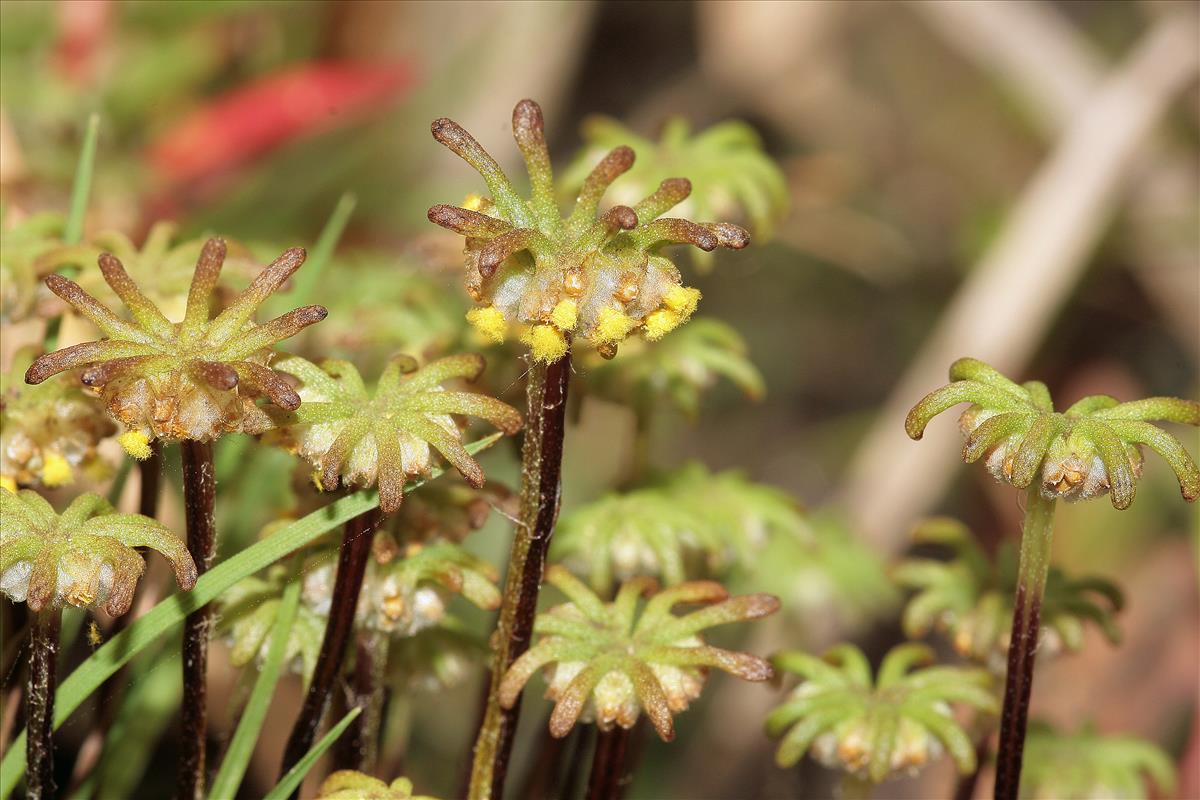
point(150, 473)
point(541, 487)
point(1037, 536)
point(397, 731)
point(39, 747)
point(581, 740)
point(199, 495)
point(643, 416)
point(543, 776)
point(352, 566)
point(358, 749)
point(609, 773)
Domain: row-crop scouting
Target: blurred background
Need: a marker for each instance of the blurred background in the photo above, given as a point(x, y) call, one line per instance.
point(1016, 181)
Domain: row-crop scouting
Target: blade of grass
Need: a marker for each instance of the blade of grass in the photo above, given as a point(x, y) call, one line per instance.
point(73, 229)
point(170, 613)
point(295, 775)
point(237, 757)
point(307, 279)
point(156, 684)
point(82, 186)
point(119, 481)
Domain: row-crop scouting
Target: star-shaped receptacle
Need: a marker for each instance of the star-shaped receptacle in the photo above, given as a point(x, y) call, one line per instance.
point(609, 663)
point(194, 379)
point(898, 720)
point(1091, 448)
point(594, 276)
point(385, 437)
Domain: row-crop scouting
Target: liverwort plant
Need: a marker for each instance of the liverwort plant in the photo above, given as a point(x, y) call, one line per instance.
point(588, 276)
point(1090, 449)
point(84, 557)
point(969, 598)
point(731, 173)
point(50, 433)
point(355, 437)
point(870, 728)
point(190, 381)
point(346, 784)
point(1088, 765)
point(611, 662)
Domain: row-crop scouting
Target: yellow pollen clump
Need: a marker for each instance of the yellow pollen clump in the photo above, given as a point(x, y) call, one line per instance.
point(660, 323)
point(473, 202)
point(565, 314)
point(9, 483)
point(316, 480)
point(489, 322)
point(612, 326)
point(56, 470)
point(136, 443)
point(682, 300)
point(546, 342)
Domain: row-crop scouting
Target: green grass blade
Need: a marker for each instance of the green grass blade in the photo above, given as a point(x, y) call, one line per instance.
point(237, 757)
point(295, 775)
point(306, 279)
point(171, 612)
point(119, 481)
point(147, 710)
point(82, 186)
point(73, 230)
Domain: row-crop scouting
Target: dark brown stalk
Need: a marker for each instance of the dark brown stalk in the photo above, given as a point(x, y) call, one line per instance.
point(150, 472)
point(541, 780)
point(39, 747)
point(199, 496)
point(358, 747)
point(1034, 565)
point(352, 566)
point(541, 489)
point(609, 775)
point(582, 740)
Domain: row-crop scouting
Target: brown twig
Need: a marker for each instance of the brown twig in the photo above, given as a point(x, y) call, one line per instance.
point(609, 774)
point(39, 747)
point(541, 479)
point(358, 748)
point(352, 566)
point(542, 778)
point(1033, 567)
point(199, 495)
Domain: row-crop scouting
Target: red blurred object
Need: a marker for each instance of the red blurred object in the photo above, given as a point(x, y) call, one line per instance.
point(83, 27)
point(257, 118)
